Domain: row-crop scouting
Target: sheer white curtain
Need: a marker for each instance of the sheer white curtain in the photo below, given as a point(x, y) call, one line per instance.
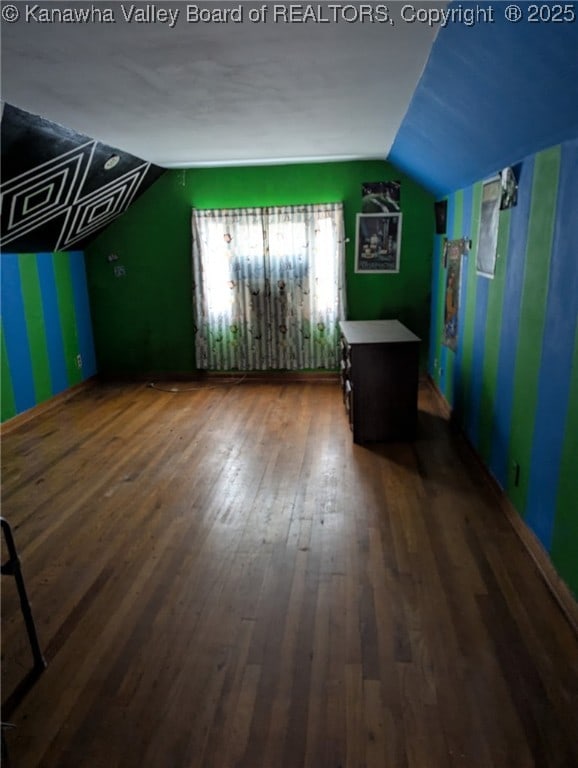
point(269, 287)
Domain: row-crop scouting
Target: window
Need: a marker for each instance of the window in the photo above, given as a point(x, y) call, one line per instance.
point(268, 287)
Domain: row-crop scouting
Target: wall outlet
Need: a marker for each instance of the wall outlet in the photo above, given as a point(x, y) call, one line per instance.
point(79, 361)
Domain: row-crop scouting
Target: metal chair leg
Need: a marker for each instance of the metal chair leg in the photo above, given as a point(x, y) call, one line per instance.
point(5, 756)
point(12, 568)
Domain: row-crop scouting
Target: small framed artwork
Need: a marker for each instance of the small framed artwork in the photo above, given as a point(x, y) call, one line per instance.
point(380, 197)
point(488, 234)
point(453, 252)
point(378, 242)
point(509, 188)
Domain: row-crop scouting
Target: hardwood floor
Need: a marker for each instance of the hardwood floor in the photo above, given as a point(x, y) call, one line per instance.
point(221, 578)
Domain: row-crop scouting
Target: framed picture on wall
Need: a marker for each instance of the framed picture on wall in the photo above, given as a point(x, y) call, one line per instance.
point(509, 188)
point(380, 197)
point(489, 220)
point(453, 252)
point(378, 242)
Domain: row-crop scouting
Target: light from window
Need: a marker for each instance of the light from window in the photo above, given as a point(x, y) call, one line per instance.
point(325, 271)
point(217, 271)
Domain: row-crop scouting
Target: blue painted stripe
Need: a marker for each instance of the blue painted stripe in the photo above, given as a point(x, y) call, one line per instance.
point(82, 311)
point(481, 311)
point(467, 223)
point(16, 335)
point(513, 285)
point(54, 343)
point(451, 215)
point(557, 354)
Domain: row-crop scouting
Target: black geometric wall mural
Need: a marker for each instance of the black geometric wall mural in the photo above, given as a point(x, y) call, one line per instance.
point(96, 210)
point(60, 188)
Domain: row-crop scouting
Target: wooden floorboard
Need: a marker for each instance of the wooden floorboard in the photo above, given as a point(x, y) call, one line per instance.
point(222, 579)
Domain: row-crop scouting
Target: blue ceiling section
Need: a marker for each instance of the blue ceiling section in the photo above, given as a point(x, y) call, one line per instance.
point(491, 94)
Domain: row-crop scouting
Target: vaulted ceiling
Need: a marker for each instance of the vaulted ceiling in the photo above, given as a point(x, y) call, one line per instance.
point(292, 86)
point(60, 188)
point(490, 95)
point(299, 85)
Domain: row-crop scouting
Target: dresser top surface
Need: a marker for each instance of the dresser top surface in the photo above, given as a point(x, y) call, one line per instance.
point(376, 332)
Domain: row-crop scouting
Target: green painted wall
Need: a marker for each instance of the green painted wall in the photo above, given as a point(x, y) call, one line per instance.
point(143, 320)
point(513, 380)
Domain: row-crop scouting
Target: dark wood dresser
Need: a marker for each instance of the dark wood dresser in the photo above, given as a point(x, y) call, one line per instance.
point(379, 378)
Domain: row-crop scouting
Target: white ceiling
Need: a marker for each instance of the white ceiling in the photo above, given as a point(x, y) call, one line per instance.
point(220, 93)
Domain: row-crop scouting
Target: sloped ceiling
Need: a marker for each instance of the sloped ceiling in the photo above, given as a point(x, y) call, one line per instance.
point(57, 189)
point(285, 90)
point(305, 82)
point(490, 95)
